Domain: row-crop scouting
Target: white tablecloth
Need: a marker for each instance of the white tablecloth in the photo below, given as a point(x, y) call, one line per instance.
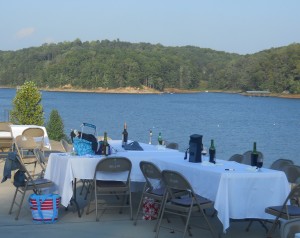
point(18, 130)
point(239, 193)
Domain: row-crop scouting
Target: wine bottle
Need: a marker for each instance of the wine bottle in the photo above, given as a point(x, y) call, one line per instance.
point(254, 155)
point(105, 146)
point(212, 152)
point(160, 140)
point(124, 135)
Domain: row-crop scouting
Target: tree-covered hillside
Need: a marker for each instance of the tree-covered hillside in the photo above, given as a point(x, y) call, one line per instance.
point(114, 64)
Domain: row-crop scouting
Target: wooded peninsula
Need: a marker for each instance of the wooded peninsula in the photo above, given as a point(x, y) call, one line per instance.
point(106, 66)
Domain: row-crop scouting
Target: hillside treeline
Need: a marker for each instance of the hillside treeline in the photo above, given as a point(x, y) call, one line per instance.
point(114, 64)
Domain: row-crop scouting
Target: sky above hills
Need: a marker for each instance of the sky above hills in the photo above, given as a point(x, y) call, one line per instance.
point(235, 26)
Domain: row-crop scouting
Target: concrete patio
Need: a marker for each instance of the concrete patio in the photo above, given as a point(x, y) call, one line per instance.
point(111, 224)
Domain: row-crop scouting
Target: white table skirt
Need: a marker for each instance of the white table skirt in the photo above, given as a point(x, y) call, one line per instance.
point(239, 193)
point(18, 130)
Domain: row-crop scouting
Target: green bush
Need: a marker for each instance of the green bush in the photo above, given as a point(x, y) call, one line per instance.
point(27, 108)
point(55, 126)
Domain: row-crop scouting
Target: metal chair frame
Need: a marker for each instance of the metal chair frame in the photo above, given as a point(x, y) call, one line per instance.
point(182, 206)
point(151, 173)
point(33, 183)
point(113, 165)
point(284, 211)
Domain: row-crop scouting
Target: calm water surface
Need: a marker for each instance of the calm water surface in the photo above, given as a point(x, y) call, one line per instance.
point(232, 120)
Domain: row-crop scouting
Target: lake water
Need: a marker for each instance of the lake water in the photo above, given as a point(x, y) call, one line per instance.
point(233, 121)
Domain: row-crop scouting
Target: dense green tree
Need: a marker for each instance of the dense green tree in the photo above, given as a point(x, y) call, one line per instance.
point(113, 64)
point(55, 126)
point(27, 108)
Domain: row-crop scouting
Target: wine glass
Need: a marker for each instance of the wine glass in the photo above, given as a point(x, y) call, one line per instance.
point(260, 162)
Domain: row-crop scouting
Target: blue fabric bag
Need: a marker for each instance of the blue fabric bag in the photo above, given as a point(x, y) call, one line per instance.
point(82, 146)
point(44, 208)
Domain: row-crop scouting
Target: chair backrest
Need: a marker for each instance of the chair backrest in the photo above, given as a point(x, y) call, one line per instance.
point(6, 141)
point(247, 157)
point(5, 126)
point(172, 145)
point(151, 173)
point(292, 172)
point(280, 164)
point(33, 132)
point(114, 165)
point(294, 193)
point(65, 145)
point(26, 143)
point(237, 158)
point(176, 181)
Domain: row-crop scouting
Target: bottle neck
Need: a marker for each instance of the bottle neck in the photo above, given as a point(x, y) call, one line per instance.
point(254, 147)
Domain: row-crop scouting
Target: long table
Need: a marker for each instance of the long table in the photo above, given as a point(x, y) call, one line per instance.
point(238, 191)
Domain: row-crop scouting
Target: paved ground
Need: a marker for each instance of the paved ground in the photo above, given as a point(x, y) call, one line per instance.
point(111, 224)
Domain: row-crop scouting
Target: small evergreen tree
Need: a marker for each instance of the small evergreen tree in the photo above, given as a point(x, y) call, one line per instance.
point(27, 108)
point(55, 126)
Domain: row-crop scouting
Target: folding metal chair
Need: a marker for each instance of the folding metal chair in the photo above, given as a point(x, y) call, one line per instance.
point(280, 164)
point(114, 180)
point(284, 211)
point(290, 228)
point(236, 157)
point(153, 189)
point(6, 139)
point(33, 183)
point(182, 206)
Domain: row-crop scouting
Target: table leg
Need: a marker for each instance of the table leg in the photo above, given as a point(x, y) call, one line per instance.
point(73, 199)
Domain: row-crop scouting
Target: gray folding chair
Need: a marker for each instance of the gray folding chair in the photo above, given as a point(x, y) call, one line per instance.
point(153, 189)
point(6, 140)
point(184, 205)
point(33, 183)
point(236, 157)
point(290, 228)
point(285, 211)
point(292, 172)
point(112, 167)
point(247, 157)
point(66, 146)
point(172, 145)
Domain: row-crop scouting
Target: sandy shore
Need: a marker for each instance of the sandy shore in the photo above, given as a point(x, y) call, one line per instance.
point(146, 90)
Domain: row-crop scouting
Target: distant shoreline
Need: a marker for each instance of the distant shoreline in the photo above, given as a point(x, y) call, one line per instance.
point(145, 90)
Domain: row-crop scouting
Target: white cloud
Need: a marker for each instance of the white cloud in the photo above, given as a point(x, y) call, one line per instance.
point(25, 32)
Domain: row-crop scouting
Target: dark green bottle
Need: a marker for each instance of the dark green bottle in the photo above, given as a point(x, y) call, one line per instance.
point(212, 152)
point(124, 135)
point(254, 155)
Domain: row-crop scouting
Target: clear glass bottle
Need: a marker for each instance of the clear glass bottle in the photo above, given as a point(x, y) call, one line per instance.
point(124, 135)
point(212, 152)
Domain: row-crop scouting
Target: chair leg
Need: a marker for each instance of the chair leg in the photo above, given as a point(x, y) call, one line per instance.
point(13, 202)
point(20, 205)
point(130, 204)
point(138, 211)
point(271, 231)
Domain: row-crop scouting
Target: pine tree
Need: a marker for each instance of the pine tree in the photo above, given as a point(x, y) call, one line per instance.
point(55, 126)
point(27, 108)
